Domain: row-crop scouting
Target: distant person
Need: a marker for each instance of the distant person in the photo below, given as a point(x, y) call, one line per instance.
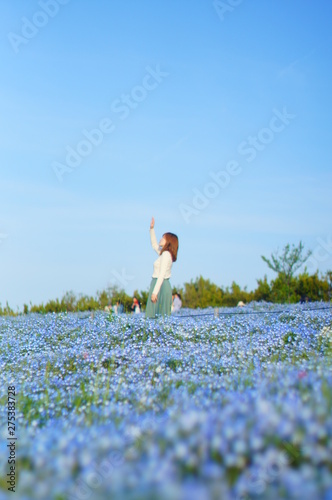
point(108, 308)
point(120, 307)
point(177, 303)
point(160, 293)
point(135, 306)
point(115, 308)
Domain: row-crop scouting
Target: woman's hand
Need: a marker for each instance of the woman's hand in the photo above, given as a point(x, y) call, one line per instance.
point(154, 297)
point(152, 223)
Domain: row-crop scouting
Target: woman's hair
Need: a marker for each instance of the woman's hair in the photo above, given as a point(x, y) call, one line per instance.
point(171, 245)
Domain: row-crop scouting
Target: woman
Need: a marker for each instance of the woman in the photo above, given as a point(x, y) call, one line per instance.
point(135, 307)
point(160, 294)
point(177, 303)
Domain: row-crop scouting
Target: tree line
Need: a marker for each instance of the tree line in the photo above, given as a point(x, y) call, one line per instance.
point(202, 293)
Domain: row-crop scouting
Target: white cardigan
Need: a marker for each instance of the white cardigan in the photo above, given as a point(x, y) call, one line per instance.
point(162, 266)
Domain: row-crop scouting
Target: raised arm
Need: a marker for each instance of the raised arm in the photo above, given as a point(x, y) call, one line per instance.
point(153, 238)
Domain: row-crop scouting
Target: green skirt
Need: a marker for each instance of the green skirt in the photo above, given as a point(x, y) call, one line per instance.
point(164, 302)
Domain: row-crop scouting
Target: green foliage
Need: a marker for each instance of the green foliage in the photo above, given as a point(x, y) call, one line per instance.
point(6, 311)
point(71, 303)
point(289, 261)
point(263, 291)
point(302, 287)
point(312, 287)
point(283, 290)
point(286, 265)
point(202, 293)
point(289, 338)
point(233, 296)
point(173, 364)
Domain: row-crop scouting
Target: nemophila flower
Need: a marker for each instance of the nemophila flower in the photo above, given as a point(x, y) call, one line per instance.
point(199, 394)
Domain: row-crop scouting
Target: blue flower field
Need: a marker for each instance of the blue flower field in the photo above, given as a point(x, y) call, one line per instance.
point(190, 407)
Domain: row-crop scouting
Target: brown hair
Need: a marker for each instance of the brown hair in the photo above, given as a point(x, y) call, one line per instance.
point(171, 245)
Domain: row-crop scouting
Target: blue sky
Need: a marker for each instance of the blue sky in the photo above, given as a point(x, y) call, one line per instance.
point(116, 111)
